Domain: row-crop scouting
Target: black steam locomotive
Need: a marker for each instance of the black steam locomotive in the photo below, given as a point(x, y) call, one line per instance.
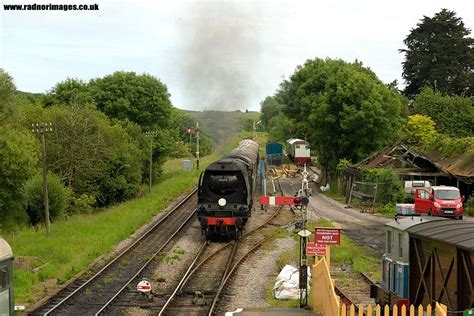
point(225, 192)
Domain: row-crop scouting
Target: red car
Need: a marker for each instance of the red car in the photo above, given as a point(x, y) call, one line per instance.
point(439, 201)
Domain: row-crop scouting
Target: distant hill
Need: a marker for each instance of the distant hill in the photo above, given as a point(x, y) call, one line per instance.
point(28, 95)
point(224, 126)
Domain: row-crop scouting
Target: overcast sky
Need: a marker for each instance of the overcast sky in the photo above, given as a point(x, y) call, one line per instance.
point(211, 55)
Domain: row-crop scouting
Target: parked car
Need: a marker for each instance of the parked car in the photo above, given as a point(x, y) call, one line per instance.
point(439, 201)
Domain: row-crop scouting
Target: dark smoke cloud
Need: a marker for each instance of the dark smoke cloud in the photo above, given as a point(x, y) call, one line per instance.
point(221, 43)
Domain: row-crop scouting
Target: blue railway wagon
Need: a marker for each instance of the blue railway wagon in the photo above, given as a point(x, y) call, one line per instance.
point(274, 153)
point(7, 306)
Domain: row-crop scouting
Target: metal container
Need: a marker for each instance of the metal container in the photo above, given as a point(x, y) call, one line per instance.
point(187, 165)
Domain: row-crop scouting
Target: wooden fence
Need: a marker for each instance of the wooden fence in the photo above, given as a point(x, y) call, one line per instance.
point(369, 310)
point(327, 303)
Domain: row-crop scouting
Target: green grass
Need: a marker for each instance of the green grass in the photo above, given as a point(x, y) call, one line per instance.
point(76, 242)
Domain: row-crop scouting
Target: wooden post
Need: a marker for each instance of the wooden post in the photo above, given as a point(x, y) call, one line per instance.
point(350, 194)
point(45, 186)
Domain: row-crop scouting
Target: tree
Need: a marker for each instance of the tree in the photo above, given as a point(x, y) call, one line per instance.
point(92, 155)
point(269, 108)
point(7, 94)
point(69, 92)
point(344, 110)
point(453, 115)
point(440, 55)
point(142, 99)
point(420, 131)
point(59, 197)
point(18, 162)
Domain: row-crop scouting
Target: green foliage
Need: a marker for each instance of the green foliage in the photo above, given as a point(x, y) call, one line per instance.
point(419, 131)
point(269, 108)
point(92, 155)
point(18, 160)
point(439, 55)
point(342, 165)
point(82, 203)
point(142, 99)
point(389, 186)
point(449, 146)
point(469, 207)
point(343, 109)
point(69, 92)
point(388, 209)
point(59, 197)
point(7, 94)
point(280, 127)
point(453, 115)
point(93, 235)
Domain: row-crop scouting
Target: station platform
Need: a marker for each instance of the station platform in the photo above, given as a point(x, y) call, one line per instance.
point(261, 311)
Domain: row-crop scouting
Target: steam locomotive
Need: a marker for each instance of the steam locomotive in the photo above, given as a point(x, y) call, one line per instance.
point(225, 192)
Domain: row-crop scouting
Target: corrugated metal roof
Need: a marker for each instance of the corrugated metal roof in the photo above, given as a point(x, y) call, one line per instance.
point(404, 223)
point(457, 233)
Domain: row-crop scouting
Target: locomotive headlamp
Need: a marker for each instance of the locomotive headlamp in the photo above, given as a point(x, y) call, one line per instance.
point(222, 202)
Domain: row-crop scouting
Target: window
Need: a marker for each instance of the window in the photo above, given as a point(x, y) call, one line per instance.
point(447, 194)
point(3, 279)
point(400, 245)
point(389, 241)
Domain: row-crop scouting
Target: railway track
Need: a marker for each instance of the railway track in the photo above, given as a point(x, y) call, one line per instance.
point(95, 291)
point(357, 291)
point(198, 289)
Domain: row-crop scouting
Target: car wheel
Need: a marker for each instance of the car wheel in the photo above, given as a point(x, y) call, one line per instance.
point(429, 214)
point(460, 217)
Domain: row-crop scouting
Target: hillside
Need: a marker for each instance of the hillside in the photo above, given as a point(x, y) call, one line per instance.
point(223, 126)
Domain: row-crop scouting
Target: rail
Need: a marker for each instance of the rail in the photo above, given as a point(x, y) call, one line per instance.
point(120, 255)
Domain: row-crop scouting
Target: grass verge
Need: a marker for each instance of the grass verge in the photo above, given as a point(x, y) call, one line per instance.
point(76, 242)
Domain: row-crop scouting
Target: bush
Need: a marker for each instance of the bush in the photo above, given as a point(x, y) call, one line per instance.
point(389, 186)
point(59, 197)
point(82, 204)
point(469, 207)
point(389, 209)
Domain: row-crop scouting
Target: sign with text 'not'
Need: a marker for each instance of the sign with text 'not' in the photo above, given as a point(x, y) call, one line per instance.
point(327, 235)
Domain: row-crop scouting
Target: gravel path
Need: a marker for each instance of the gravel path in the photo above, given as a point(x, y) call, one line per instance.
point(249, 287)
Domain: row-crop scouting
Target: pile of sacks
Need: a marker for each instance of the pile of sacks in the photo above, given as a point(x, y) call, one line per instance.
point(287, 283)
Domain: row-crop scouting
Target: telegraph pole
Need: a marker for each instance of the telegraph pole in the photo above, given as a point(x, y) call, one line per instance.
point(42, 129)
point(197, 145)
point(151, 135)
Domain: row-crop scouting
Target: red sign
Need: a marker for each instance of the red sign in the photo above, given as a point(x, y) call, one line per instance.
point(279, 200)
point(191, 130)
point(144, 286)
point(327, 235)
point(315, 249)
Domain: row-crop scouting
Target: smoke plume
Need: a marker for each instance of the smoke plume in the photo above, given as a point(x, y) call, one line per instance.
point(221, 50)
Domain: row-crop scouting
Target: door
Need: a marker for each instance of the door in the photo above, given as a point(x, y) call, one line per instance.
point(422, 201)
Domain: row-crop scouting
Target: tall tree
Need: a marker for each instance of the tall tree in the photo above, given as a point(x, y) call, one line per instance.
point(453, 115)
point(142, 99)
point(7, 94)
point(269, 109)
point(343, 109)
point(440, 55)
point(69, 92)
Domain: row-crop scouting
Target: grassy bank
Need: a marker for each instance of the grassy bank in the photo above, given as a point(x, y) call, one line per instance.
point(76, 242)
point(360, 258)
